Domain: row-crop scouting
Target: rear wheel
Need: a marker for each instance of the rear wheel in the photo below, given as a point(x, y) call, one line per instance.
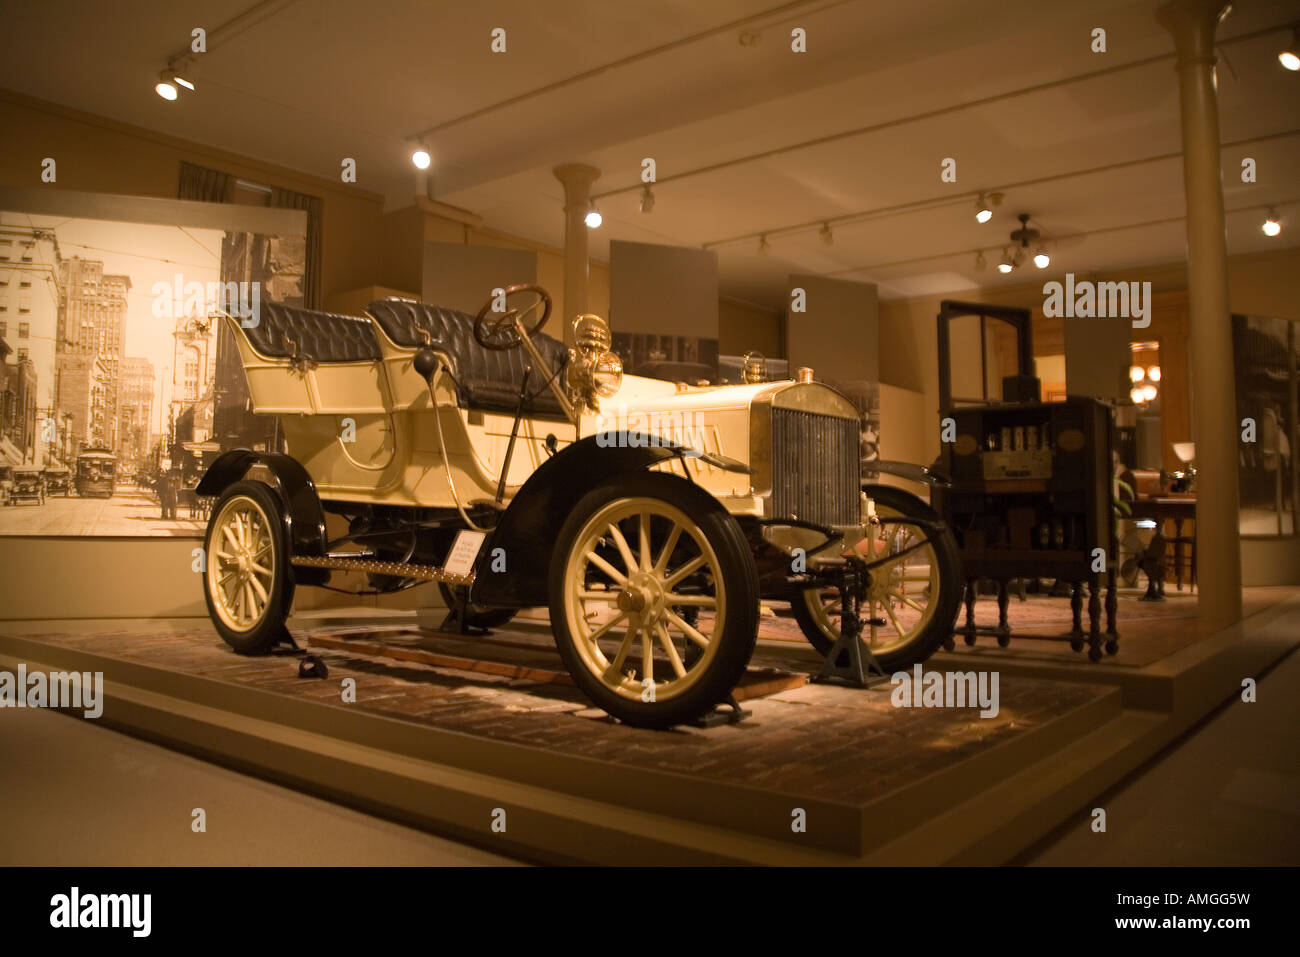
point(912, 602)
point(247, 581)
point(654, 599)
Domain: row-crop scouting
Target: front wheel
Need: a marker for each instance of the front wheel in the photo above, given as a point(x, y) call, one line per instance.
point(654, 599)
point(247, 581)
point(912, 602)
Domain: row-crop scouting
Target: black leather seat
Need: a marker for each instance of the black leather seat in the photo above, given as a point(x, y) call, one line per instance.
point(487, 379)
point(285, 332)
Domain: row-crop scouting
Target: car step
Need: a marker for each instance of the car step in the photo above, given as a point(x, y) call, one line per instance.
point(426, 573)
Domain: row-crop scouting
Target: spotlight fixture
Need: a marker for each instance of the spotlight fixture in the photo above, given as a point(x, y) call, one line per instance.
point(1271, 225)
point(980, 262)
point(1041, 259)
point(647, 199)
point(1149, 392)
point(984, 206)
point(593, 218)
point(1135, 394)
point(1154, 373)
point(1136, 374)
point(825, 234)
point(1290, 56)
point(763, 245)
point(169, 80)
point(1007, 263)
point(421, 158)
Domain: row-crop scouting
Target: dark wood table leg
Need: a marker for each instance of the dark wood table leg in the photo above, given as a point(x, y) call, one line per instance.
point(1094, 618)
point(1004, 630)
point(972, 589)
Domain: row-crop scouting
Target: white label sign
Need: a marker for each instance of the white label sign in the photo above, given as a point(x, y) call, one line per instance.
point(464, 550)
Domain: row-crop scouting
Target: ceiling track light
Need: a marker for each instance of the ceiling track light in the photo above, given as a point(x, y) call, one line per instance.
point(985, 205)
point(173, 76)
point(1272, 225)
point(647, 199)
point(763, 245)
point(593, 219)
point(1041, 259)
point(420, 157)
point(1289, 57)
point(1007, 264)
point(825, 235)
point(980, 262)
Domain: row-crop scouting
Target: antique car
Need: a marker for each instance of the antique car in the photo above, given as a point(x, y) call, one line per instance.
point(96, 474)
point(6, 483)
point(650, 517)
point(58, 478)
point(29, 485)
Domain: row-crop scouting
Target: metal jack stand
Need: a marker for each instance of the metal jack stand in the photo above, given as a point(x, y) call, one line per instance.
point(853, 672)
point(457, 620)
point(717, 717)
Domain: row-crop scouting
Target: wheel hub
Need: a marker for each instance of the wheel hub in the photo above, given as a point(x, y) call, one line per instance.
point(642, 597)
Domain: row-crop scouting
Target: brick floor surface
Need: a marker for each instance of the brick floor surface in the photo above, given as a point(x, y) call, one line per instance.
point(818, 740)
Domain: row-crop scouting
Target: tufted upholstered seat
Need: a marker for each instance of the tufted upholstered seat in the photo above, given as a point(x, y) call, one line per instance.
point(283, 332)
point(487, 379)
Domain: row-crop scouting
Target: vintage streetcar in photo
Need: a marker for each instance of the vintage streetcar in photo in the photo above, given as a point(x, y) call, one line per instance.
point(651, 517)
point(96, 473)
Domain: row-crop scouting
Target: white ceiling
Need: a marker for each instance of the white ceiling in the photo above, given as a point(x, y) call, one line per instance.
point(312, 81)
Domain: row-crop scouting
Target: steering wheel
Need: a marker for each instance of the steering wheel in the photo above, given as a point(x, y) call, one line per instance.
point(499, 331)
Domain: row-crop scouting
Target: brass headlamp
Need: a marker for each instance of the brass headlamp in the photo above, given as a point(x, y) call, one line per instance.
point(594, 371)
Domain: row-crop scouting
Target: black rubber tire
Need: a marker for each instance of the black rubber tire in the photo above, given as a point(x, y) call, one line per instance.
point(269, 631)
point(478, 616)
point(940, 628)
point(740, 581)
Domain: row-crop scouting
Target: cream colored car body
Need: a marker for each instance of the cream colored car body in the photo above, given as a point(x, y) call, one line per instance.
point(365, 431)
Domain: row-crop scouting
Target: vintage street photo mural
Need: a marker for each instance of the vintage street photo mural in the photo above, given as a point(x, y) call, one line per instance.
point(120, 385)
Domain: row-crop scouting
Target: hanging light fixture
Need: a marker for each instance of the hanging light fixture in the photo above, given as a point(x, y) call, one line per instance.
point(1271, 226)
point(1137, 374)
point(1154, 373)
point(1041, 259)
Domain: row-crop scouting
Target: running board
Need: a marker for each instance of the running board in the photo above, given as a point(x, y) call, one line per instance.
point(427, 573)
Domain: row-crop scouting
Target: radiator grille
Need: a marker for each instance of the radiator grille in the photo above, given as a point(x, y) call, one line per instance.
point(815, 467)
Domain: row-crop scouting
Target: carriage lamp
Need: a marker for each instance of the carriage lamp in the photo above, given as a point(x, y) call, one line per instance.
point(607, 375)
point(593, 370)
point(591, 335)
point(754, 368)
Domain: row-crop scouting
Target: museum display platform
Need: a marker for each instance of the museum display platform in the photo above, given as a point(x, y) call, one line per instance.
point(448, 732)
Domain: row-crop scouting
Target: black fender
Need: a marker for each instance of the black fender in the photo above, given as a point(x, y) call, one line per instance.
point(304, 518)
point(530, 525)
point(922, 474)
